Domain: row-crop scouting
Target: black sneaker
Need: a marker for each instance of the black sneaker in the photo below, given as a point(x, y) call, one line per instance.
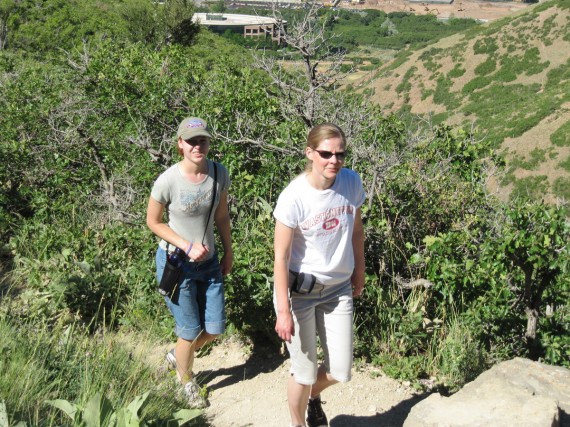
point(315, 415)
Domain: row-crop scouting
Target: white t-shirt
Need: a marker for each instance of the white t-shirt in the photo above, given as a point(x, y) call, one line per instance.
point(188, 203)
point(323, 222)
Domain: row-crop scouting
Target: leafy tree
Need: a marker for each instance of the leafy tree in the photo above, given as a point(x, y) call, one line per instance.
point(7, 9)
point(535, 241)
point(505, 266)
point(42, 27)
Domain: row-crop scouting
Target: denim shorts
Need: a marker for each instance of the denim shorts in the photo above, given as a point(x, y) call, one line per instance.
point(198, 301)
point(327, 312)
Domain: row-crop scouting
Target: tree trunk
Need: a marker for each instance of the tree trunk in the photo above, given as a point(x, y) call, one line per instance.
point(532, 343)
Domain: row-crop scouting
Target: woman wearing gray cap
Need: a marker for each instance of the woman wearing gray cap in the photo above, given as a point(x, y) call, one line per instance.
point(194, 193)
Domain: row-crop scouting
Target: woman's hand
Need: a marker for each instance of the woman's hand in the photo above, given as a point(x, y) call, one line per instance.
point(227, 263)
point(284, 326)
point(357, 280)
point(199, 252)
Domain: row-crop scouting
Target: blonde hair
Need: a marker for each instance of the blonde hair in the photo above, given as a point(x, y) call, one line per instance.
point(321, 132)
point(178, 149)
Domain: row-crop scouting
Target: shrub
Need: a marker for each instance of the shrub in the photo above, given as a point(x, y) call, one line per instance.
point(486, 67)
point(530, 188)
point(561, 187)
point(456, 72)
point(461, 355)
point(405, 84)
point(486, 45)
point(476, 83)
point(565, 164)
point(561, 136)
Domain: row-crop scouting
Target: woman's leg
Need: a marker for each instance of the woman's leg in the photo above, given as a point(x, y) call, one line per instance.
point(298, 397)
point(324, 380)
point(207, 308)
point(185, 351)
point(303, 354)
point(334, 325)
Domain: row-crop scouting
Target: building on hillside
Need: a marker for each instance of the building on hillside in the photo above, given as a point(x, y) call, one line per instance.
point(247, 25)
point(282, 4)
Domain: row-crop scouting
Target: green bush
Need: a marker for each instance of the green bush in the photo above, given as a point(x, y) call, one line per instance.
point(487, 45)
point(461, 355)
point(561, 136)
point(456, 72)
point(531, 188)
point(537, 156)
point(476, 83)
point(443, 94)
point(405, 84)
point(561, 187)
point(515, 254)
point(486, 67)
point(565, 164)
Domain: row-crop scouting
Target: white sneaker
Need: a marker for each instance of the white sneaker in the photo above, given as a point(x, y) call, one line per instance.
point(171, 359)
point(193, 394)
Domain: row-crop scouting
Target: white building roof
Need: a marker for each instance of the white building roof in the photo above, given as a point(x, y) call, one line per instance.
point(229, 19)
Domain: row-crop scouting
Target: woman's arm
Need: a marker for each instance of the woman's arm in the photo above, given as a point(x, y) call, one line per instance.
point(222, 221)
point(282, 247)
point(357, 278)
point(154, 221)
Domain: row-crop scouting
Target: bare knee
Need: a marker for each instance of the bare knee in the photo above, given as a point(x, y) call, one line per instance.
point(210, 337)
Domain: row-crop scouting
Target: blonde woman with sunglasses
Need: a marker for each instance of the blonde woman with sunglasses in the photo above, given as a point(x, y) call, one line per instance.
point(318, 270)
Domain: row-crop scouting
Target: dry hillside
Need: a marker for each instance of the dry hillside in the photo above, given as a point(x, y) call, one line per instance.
point(510, 79)
point(476, 9)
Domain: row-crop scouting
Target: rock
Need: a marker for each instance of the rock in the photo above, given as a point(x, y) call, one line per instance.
point(517, 392)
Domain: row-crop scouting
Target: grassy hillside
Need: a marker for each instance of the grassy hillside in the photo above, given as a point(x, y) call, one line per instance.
point(510, 80)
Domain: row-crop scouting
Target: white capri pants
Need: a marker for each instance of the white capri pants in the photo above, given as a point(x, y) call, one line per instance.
point(326, 311)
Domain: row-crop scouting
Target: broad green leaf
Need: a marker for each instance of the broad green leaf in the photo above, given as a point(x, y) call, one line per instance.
point(185, 415)
point(70, 409)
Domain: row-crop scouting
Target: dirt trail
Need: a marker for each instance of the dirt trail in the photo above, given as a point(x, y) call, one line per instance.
point(247, 388)
point(476, 9)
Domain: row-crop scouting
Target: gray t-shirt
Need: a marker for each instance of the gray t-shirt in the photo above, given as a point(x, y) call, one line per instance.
point(188, 204)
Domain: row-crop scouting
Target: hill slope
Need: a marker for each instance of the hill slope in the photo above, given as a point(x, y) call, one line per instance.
point(510, 80)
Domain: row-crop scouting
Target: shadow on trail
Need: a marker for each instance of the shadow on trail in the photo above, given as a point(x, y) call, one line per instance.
point(393, 417)
point(263, 358)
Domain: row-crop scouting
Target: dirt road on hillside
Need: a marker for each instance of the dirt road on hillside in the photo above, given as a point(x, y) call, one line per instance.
point(483, 10)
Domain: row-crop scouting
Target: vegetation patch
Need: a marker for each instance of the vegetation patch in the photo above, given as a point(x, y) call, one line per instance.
point(537, 156)
point(561, 136)
point(492, 106)
point(565, 164)
point(485, 46)
point(475, 84)
point(456, 72)
point(405, 85)
point(561, 187)
point(486, 67)
point(530, 188)
point(443, 94)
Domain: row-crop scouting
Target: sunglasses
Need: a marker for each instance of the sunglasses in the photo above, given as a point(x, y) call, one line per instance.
point(340, 155)
point(193, 142)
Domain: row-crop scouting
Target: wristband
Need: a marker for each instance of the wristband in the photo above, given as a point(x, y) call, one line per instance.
point(189, 249)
